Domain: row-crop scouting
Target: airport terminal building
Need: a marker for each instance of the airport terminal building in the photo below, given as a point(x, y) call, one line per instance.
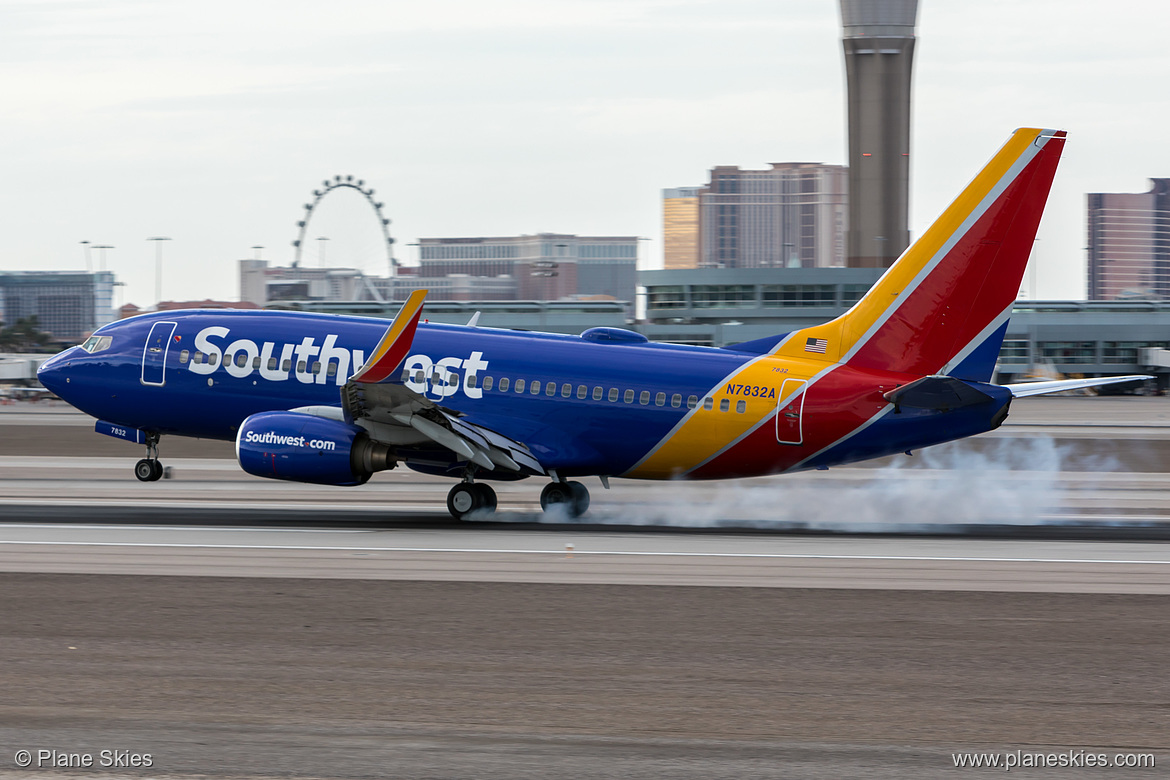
point(720, 307)
point(68, 304)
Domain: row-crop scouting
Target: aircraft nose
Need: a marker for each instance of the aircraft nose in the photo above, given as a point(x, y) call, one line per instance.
point(53, 373)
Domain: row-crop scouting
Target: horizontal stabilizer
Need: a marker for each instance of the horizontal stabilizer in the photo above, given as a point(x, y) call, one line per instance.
point(1041, 388)
point(937, 392)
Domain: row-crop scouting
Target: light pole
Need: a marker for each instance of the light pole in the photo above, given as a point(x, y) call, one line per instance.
point(88, 263)
point(321, 251)
point(158, 267)
point(102, 255)
point(257, 249)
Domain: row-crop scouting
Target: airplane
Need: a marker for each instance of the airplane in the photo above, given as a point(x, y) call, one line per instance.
point(329, 399)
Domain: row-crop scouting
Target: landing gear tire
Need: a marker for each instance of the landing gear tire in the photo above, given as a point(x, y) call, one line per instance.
point(573, 497)
point(468, 497)
point(148, 470)
point(487, 496)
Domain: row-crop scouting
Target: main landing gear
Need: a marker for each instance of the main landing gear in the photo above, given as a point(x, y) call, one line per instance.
point(468, 497)
point(573, 497)
point(149, 469)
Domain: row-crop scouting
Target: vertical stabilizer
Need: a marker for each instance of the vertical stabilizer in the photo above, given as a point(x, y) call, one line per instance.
point(942, 308)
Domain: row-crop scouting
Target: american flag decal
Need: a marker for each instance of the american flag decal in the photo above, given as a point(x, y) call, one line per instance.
point(816, 345)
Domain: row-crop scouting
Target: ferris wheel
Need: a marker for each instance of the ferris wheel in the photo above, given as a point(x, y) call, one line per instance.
point(338, 183)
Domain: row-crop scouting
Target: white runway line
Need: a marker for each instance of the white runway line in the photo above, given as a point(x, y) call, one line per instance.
point(575, 552)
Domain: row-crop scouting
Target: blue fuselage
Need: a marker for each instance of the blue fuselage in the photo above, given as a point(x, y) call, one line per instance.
point(149, 379)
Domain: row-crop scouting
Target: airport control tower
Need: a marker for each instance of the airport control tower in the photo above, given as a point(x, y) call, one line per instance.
point(878, 37)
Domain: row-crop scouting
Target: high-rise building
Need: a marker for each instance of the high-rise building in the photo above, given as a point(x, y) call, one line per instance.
point(545, 266)
point(70, 305)
point(792, 215)
point(878, 39)
point(1129, 243)
point(680, 227)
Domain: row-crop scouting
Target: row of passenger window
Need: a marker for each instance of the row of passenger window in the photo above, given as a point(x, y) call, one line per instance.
point(242, 360)
point(535, 387)
point(505, 384)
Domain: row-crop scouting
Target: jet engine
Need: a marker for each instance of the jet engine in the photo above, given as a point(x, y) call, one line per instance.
point(305, 448)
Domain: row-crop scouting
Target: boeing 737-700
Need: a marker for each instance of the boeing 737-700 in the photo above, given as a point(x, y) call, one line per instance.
point(334, 399)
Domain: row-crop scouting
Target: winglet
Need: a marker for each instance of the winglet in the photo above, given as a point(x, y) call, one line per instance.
point(395, 345)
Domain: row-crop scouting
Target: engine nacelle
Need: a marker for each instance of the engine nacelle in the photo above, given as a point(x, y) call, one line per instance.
point(305, 448)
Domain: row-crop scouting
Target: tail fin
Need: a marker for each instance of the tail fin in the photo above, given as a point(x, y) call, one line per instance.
point(942, 308)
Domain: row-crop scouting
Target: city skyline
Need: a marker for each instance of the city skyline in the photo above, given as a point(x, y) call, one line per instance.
point(137, 120)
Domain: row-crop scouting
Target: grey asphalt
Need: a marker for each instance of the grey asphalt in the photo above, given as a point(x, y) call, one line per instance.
point(424, 649)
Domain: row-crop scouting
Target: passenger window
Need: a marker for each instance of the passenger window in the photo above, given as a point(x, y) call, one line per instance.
point(418, 377)
point(644, 397)
point(629, 397)
point(213, 358)
point(708, 403)
point(534, 387)
point(676, 400)
point(184, 355)
point(241, 359)
point(741, 406)
point(660, 399)
point(316, 369)
point(406, 375)
point(566, 390)
point(332, 369)
point(519, 385)
point(692, 401)
point(550, 388)
point(452, 380)
point(300, 366)
point(197, 358)
point(271, 364)
point(470, 382)
point(256, 362)
point(598, 392)
point(287, 366)
point(725, 405)
point(582, 391)
point(504, 382)
point(613, 394)
point(489, 381)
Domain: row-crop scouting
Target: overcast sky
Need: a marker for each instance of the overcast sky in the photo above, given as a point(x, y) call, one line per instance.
point(212, 122)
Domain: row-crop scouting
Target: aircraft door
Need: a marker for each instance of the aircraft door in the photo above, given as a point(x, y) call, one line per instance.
point(789, 429)
point(154, 354)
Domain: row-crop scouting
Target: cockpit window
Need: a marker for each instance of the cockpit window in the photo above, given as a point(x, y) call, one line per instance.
point(96, 344)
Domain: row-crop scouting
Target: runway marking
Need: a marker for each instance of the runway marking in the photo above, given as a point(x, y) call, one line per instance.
point(576, 552)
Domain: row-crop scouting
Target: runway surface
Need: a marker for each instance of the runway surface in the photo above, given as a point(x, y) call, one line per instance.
point(238, 677)
point(360, 633)
point(564, 557)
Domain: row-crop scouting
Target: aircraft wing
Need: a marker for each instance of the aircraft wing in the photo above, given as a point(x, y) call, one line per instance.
point(1040, 388)
point(376, 399)
point(396, 415)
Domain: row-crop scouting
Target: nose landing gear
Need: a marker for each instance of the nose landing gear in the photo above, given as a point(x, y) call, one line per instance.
point(149, 469)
